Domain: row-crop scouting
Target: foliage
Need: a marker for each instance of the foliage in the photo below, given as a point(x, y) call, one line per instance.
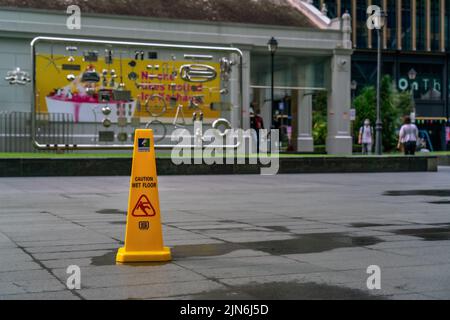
point(394, 105)
point(320, 118)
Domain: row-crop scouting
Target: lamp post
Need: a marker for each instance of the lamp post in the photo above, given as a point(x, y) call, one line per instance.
point(378, 25)
point(353, 86)
point(272, 46)
point(412, 74)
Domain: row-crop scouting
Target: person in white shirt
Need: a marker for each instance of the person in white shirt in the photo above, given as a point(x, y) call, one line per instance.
point(366, 137)
point(408, 136)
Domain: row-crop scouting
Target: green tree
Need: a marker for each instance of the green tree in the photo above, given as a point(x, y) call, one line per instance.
point(320, 127)
point(394, 105)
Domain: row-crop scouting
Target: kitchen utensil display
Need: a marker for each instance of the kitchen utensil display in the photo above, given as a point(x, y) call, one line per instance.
point(106, 123)
point(222, 123)
point(198, 57)
point(125, 85)
point(90, 56)
point(177, 116)
point(156, 110)
point(17, 76)
point(122, 122)
point(122, 136)
point(132, 76)
point(52, 60)
point(135, 122)
point(159, 129)
point(106, 110)
point(108, 56)
point(71, 50)
point(139, 55)
point(90, 76)
point(197, 73)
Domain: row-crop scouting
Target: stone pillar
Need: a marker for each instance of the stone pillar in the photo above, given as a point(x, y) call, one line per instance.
point(246, 90)
point(305, 142)
point(339, 140)
point(237, 120)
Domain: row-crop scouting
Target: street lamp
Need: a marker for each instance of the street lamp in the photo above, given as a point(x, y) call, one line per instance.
point(353, 86)
point(272, 46)
point(378, 23)
point(412, 74)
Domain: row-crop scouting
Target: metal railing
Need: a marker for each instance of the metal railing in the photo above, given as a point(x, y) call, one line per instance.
point(15, 130)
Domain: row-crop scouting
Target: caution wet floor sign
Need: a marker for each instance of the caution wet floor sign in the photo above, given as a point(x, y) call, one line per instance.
point(143, 236)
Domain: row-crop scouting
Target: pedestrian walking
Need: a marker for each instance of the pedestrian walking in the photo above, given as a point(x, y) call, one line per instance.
point(408, 136)
point(365, 138)
point(256, 123)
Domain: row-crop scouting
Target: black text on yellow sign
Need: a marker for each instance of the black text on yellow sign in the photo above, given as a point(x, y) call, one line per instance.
point(143, 236)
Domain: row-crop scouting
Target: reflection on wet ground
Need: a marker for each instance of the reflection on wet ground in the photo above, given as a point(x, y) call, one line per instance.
point(287, 291)
point(111, 211)
point(427, 234)
point(431, 193)
point(310, 243)
point(368, 225)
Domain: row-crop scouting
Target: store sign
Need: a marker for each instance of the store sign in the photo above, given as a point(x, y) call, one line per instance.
point(422, 85)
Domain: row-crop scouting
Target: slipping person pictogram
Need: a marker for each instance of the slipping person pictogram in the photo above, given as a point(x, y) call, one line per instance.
point(143, 208)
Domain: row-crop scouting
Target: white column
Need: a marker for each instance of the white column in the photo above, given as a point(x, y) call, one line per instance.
point(339, 140)
point(305, 142)
point(235, 91)
point(246, 90)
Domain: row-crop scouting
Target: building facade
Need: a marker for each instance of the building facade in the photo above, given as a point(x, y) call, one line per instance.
point(314, 52)
point(416, 46)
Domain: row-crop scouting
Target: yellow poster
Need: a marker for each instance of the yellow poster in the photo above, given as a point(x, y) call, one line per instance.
point(91, 87)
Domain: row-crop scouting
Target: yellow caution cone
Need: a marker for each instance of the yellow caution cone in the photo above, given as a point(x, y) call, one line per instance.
point(143, 236)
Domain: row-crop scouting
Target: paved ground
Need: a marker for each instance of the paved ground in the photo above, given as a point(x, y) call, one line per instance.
point(237, 237)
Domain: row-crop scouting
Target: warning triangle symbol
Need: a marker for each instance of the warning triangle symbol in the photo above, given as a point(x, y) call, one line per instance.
point(143, 208)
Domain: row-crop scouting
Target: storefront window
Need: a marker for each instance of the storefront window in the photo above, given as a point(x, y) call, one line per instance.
point(447, 24)
point(406, 25)
point(289, 71)
point(332, 8)
point(391, 25)
point(435, 21)
point(361, 27)
point(421, 24)
point(346, 5)
point(425, 80)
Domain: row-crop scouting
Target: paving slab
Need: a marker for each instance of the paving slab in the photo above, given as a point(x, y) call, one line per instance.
point(232, 237)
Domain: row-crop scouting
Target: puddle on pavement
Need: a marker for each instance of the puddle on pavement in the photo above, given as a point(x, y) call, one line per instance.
point(367, 225)
point(111, 211)
point(278, 228)
point(109, 259)
point(287, 291)
point(427, 234)
point(440, 202)
point(310, 243)
point(431, 193)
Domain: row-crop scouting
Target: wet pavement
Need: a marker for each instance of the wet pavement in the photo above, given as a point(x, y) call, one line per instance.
point(232, 237)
